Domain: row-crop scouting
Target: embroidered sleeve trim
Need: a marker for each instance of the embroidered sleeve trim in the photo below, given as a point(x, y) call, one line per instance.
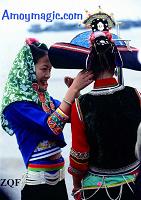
point(62, 114)
point(56, 121)
point(79, 162)
point(75, 171)
point(78, 109)
point(79, 155)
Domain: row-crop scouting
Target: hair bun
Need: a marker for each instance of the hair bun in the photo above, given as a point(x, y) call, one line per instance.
point(101, 41)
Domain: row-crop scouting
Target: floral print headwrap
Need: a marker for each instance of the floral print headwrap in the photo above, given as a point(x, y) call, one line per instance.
point(19, 86)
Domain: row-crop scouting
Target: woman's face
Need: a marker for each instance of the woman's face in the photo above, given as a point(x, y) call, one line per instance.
point(43, 71)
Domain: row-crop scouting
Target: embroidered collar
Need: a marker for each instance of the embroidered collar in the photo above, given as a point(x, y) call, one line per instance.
point(107, 82)
point(105, 87)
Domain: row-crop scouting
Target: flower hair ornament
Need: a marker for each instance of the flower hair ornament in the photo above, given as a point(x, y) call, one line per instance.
point(97, 34)
point(102, 42)
point(30, 41)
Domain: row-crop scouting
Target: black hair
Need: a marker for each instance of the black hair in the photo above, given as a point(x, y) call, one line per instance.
point(102, 55)
point(38, 50)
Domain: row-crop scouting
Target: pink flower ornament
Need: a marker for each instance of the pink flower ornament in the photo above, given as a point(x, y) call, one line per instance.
point(29, 41)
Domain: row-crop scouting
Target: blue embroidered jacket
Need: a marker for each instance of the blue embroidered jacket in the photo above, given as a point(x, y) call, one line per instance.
point(29, 122)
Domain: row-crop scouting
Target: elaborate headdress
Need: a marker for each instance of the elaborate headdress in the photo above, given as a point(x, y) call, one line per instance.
point(101, 23)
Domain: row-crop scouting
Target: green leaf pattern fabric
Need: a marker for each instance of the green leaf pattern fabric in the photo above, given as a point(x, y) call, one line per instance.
point(19, 83)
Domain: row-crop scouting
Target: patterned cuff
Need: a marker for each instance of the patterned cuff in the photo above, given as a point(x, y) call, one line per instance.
point(57, 120)
point(75, 172)
point(62, 115)
point(79, 157)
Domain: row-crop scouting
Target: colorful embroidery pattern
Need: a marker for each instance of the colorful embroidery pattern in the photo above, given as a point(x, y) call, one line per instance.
point(44, 145)
point(47, 105)
point(79, 156)
point(56, 121)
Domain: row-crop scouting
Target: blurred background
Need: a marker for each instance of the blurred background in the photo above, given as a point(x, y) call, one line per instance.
point(13, 33)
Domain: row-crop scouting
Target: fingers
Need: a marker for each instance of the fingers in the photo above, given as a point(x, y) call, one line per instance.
point(88, 78)
point(86, 72)
point(88, 75)
point(68, 80)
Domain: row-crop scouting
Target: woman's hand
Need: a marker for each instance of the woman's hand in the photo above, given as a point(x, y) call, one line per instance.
point(76, 194)
point(83, 79)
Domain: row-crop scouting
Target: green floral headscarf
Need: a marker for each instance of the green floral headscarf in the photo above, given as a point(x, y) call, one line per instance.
point(19, 83)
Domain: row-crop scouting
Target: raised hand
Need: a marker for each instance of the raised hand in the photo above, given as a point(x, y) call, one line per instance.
point(83, 79)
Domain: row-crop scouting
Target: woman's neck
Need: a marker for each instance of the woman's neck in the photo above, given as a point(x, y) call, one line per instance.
point(104, 75)
point(105, 79)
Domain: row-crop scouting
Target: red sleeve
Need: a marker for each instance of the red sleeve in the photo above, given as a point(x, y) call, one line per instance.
point(80, 149)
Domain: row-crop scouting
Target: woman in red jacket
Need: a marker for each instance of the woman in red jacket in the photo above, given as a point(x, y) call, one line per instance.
point(104, 126)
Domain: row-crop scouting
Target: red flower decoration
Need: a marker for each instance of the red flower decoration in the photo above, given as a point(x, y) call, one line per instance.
point(108, 35)
point(29, 41)
point(98, 34)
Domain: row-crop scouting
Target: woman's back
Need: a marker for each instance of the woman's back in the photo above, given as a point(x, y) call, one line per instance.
point(111, 122)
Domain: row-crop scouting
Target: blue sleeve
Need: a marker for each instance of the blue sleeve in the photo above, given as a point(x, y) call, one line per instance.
point(56, 102)
point(30, 116)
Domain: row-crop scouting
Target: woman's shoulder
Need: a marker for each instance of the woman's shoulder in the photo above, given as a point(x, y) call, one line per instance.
point(18, 105)
point(84, 97)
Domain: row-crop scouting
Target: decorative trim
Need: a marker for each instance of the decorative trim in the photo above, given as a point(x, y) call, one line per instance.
point(56, 121)
point(63, 116)
point(106, 91)
point(100, 15)
point(79, 155)
point(78, 109)
point(73, 171)
point(75, 48)
point(130, 169)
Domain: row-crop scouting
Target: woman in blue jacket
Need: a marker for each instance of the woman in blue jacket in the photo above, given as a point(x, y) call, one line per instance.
point(37, 120)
